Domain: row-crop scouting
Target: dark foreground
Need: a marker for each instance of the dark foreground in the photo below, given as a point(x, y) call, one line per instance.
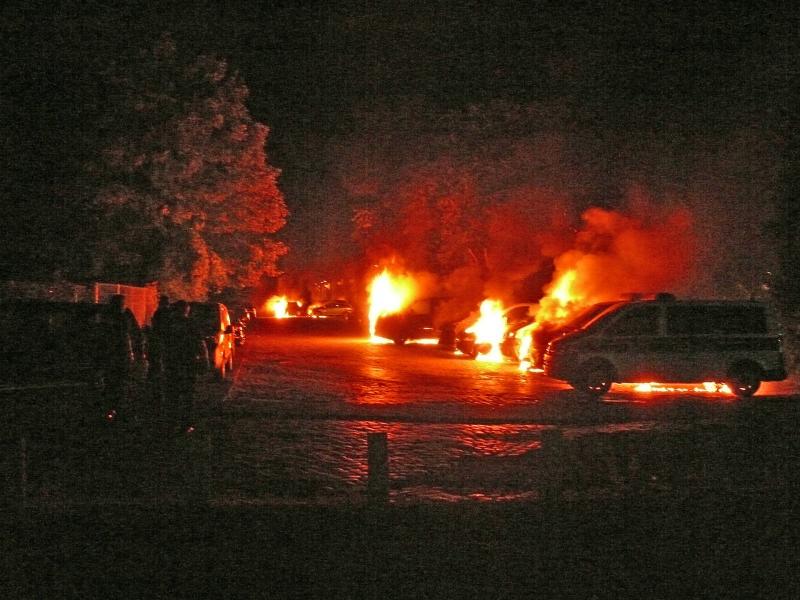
point(683, 499)
point(644, 546)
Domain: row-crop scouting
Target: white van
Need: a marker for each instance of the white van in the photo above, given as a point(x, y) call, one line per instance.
point(669, 340)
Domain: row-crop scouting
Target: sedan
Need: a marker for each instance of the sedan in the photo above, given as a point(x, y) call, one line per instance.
point(339, 309)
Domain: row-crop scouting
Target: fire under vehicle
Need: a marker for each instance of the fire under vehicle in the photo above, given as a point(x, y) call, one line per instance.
point(416, 323)
point(670, 340)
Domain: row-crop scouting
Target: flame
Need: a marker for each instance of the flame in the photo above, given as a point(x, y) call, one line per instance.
point(560, 302)
point(277, 305)
point(490, 329)
point(615, 254)
point(388, 294)
point(526, 344)
point(707, 387)
point(562, 299)
point(562, 292)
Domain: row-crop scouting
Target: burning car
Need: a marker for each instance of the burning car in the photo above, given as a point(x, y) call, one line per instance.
point(513, 318)
point(670, 340)
point(415, 323)
point(544, 333)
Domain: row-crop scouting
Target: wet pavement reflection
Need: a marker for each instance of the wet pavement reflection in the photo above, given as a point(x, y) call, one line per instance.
point(297, 418)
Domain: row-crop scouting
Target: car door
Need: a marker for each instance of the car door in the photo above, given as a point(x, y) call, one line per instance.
point(633, 343)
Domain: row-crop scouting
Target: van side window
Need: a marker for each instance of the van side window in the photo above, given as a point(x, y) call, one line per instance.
point(637, 320)
point(715, 320)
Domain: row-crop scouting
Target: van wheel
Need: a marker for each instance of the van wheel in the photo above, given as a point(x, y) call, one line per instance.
point(595, 379)
point(744, 379)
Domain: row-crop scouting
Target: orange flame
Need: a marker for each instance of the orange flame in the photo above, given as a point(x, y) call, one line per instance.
point(707, 387)
point(489, 329)
point(388, 294)
point(525, 346)
point(616, 254)
point(277, 305)
point(562, 299)
point(560, 302)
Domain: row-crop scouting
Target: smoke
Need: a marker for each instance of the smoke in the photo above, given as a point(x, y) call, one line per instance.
point(617, 254)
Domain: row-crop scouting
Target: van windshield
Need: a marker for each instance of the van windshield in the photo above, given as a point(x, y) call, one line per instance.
point(588, 315)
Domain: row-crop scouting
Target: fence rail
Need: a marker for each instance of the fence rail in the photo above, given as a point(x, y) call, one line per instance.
point(142, 300)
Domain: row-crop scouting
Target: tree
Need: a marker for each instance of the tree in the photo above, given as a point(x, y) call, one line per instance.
point(470, 194)
point(183, 190)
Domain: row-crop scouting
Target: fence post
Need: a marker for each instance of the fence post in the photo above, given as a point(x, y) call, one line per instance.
point(377, 468)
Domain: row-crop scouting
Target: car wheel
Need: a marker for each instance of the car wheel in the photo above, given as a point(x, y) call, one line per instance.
point(399, 341)
point(595, 379)
point(744, 379)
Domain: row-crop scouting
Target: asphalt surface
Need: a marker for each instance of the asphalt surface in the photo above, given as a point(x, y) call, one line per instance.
point(307, 394)
point(500, 485)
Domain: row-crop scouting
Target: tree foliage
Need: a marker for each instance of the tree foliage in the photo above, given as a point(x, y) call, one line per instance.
point(473, 194)
point(182, 185)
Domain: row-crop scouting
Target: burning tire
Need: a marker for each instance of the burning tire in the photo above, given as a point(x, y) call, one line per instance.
point(744, 379)
point(595, 379)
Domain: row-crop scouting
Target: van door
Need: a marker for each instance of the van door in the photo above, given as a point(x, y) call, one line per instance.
point(633, 343)
point(687, 326)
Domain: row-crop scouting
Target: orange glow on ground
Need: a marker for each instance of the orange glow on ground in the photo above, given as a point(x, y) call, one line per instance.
point(490, 329)
point(388, 294)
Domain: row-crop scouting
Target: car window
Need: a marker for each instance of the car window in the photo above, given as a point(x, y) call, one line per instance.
point(719, 319)
point(636, 320)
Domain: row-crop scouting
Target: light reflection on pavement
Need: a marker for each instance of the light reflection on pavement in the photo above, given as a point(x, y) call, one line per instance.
point(299, 413)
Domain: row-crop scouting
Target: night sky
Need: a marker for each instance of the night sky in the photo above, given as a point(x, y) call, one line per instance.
point(634, 67)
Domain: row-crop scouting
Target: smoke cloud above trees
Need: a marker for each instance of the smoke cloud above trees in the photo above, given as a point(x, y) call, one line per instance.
point(496, 199)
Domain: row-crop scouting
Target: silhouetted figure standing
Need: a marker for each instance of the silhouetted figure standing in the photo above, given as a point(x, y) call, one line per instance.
point(181, 352)
point(120, 346)
point(157, 345)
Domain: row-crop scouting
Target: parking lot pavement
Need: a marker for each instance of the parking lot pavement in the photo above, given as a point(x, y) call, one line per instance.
point(297, 421)
point(296, 416)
